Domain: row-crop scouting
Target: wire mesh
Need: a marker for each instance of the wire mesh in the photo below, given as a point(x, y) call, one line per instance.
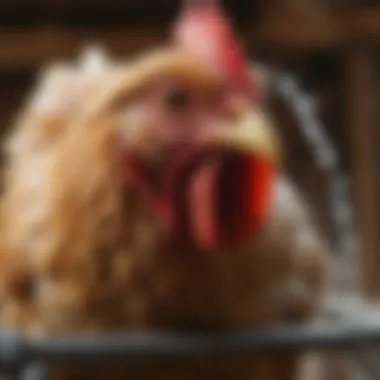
point(325, 155)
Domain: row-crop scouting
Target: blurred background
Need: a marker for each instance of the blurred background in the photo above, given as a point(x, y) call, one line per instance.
point(329, 45)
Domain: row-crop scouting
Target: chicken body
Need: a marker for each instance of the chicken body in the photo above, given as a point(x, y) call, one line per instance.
point(83, 253)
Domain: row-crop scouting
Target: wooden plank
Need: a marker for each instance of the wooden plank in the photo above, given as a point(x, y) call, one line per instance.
point(360, 76)
point(364, 25)
point(317, 30)
point(311, 31)
point(23, 49)
point(27, 48)
point(284, 24)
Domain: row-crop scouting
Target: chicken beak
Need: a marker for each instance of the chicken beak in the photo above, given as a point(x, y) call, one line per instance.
point(250, 134)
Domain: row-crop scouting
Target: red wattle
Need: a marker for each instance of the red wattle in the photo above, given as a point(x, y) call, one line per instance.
point(213, 200)
point(202, 206)
point(259, 195)
point(228, 201)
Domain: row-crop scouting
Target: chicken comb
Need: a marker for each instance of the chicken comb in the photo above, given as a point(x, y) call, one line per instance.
point(204, 29)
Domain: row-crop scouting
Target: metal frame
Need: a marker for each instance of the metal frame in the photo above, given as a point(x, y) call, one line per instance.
point(27, 358)
point(326, 156)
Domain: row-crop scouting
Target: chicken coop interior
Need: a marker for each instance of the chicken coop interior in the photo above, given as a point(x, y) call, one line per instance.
point(329, 49)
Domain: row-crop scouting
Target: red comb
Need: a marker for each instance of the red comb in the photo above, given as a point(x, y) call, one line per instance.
point(205, 30)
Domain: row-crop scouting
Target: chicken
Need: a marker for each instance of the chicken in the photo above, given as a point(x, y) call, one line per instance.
point(160, 203)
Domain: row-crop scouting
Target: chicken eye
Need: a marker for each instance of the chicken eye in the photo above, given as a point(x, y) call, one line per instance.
point(177, 100)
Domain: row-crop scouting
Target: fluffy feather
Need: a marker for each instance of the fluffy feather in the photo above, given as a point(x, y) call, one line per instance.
point(81, 254)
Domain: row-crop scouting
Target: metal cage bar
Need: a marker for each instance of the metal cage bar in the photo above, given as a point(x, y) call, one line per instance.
point(325, 155)
point(30, 355)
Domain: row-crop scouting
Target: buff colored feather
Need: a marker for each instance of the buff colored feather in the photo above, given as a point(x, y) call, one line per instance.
point(82, 255)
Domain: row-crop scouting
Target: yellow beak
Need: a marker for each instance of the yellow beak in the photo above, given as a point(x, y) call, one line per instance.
point(251, 133)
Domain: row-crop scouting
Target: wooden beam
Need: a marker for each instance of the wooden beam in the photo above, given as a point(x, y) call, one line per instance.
point(317, 30)
point(364, 25)
point(361, 79)
point(282, 26)
point(23, 49)
point(28, 48)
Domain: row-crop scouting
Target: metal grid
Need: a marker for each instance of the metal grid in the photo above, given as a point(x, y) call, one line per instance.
point(325, 155)
point(26, 358)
